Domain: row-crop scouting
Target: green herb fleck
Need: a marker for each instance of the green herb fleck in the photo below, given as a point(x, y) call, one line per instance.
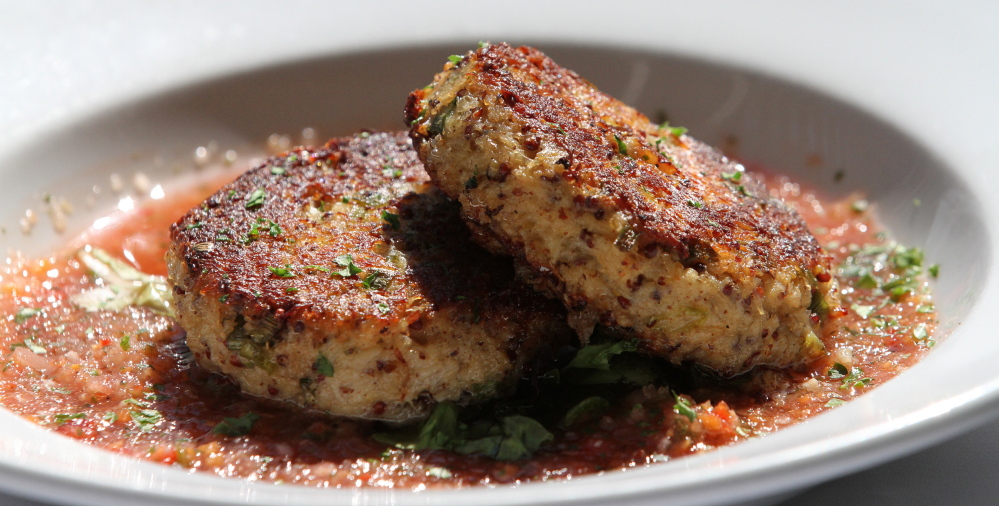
point(278, 171)
point(934, 270)
point(283, 272)
point(349, 268)
point(919, 332)
point(146, 419)
point(236, 427)
point(455, 59)
point(35, 347)
point(862, 310)
point(323, 366)
point(677, 131)
point(377, 280)
point(125, 342)
point(472, 183)
point(62, 418)
point(439, 472)
point(834, 402)
point(621, 146)
point(256, 199)
point(684, 407)
point(838, 371)
point(24, 313)
point(734, 176)
point(392, 219)
point(859, 206)
point(110, 417)
point(695, 204)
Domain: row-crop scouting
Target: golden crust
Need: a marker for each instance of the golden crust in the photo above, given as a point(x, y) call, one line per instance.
point(525, 144)
point(419, 313)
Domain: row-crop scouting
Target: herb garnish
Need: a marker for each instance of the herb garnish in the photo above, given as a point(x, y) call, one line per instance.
point(323, 366)
point(392, 219)
point(24, 313)
point(256, 199)
point(283, 272)
point(621, 146)
point(236, 427)
point(349, 269)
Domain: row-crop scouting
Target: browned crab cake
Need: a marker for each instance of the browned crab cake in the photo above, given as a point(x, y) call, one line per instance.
point(635, 226)
point(340, 279)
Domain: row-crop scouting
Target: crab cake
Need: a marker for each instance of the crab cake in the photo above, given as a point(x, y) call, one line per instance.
point(340, 279)
point(635, 226)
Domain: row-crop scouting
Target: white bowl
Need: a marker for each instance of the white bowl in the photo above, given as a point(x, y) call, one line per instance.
point(338, 86)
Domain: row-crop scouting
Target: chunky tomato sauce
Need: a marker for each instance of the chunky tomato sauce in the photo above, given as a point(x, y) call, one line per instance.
point(124, 381)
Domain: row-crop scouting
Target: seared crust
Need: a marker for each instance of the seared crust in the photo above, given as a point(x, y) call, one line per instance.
point(634, 226)
point(268, 297)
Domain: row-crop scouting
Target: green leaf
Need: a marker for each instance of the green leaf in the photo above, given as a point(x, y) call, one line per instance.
point(235, 427)
point(834, 402)
point(123, 286)
point(598, 356)
point(585, 409)
point(904, 258)
point(256, 199)
point(347, 262)
point(735, 176)
point(146, 419)
point(25, 313)
point(62, 418)
point(35, 347)
point(392, 219)
point(867, 281)
point(283, 272)
point(838, 371)
point(377, 280)
point(621, 146)
point(684, 407)
point(919, 332)
point(934, 270)
point(455, 59)
point(323, 366)
point(695, 204)
point(863, 311)
point(125, 342)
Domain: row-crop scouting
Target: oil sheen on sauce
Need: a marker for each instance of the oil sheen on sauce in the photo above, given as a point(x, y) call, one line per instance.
point(123, 381)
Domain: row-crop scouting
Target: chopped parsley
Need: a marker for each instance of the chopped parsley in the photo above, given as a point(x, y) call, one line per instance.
point(256, 199)
point(377, 280)
point(863, 311)
point(677, 131)
point(684, 407)
point(323, 366)
point(236, 427)
point(512, 437)
point(146, 419)
point(455, 59)
point(695, 204)
point(834, 402)
point(349, 268)
point(283, 272)
point(25, 313)
point(472, 183)
point(392, 219)
point(735, 176)
point(852, 378)
point(62, 418)
point(621, 146)
point(125, 342)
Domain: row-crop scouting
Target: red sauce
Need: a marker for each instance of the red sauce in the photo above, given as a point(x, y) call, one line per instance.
point(123, 382)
